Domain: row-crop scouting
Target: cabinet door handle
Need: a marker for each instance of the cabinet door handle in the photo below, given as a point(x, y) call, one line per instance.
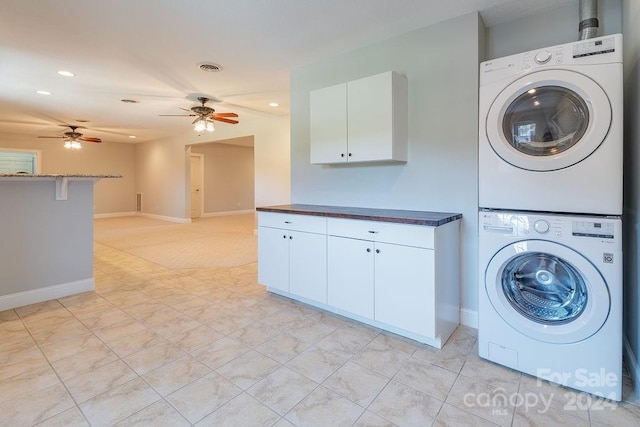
point(377, 251)
point(373, 231)
point(368, 249)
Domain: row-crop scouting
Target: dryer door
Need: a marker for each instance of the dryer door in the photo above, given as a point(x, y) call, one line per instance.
point(547, 291)
point(548, 120)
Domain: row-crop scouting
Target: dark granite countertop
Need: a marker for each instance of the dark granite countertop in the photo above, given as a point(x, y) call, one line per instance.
point(431, 219)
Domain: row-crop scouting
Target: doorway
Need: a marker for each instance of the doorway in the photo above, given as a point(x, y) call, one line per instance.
point(197, 184)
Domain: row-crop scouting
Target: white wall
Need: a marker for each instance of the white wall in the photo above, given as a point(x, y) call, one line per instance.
point(110, 196)
point(631, 219)
point(162, 167)
point(441, 65)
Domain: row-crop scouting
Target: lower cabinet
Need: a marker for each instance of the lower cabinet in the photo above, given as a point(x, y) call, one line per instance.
point(399, 277)
point(404, 288)
point(293, 261)
point(350, 275)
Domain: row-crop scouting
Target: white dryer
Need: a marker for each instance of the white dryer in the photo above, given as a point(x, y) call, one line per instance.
point(550, 297)
point(550, 129)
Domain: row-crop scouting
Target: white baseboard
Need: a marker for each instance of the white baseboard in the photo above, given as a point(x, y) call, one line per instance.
point(469, 317)
point(165, 218)
point(632, 364)
point(113, 215)
point(33, 296)
point(225, 213)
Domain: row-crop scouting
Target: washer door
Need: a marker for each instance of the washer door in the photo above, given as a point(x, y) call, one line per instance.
point(547, 291)
point(548, 120)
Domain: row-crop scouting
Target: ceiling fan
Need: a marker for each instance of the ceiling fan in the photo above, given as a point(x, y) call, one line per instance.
point(73, 138)
point(205, 116)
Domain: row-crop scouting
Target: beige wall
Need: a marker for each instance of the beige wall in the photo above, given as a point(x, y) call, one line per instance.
point(162, 167)
point(228, 175)
point(111, 196)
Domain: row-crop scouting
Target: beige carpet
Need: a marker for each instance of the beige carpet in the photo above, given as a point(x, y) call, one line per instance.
point(225, 241)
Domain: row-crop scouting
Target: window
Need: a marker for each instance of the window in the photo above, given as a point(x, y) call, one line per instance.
point(19, 161)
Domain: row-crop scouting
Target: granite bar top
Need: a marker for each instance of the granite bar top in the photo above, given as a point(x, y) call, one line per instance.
point(431, 219)
point(57, 175)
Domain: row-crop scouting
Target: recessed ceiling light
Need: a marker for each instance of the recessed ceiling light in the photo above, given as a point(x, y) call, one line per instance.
point(66, 73)
point(132, 136)
point(43, 92)
point(211, 68)
point(273, 104)
point(130, 101)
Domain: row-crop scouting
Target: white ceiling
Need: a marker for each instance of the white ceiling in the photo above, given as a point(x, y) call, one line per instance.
point(150, 50)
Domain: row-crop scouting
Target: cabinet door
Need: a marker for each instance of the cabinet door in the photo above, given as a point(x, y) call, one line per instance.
point(404, 288)
point(308, 257)
point(350, 275)
point(328, 124)
point(273, 258)
point(370, 112)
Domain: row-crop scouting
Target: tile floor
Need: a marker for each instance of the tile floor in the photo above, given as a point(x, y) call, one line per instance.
point(161, 347)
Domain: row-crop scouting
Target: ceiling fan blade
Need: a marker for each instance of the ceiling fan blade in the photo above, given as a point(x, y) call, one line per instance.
point(222, 119)
point(225, 115)
point(177, 115)
point(185, 109)
point(89, 139)
point(57, 137)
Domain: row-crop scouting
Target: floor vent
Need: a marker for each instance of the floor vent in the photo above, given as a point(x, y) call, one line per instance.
point(138, 202)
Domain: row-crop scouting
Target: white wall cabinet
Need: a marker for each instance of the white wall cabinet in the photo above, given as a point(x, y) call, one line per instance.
point(291, 260)
point(364, 120)
point(399, 277)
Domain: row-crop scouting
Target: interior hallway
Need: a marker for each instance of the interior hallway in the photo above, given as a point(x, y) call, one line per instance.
point(179, 333)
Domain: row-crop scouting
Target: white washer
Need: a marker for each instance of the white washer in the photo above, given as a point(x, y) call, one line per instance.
point(550, 129)
point(550, 297)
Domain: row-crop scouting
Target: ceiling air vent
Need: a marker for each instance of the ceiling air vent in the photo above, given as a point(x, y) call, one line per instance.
point(211, 68)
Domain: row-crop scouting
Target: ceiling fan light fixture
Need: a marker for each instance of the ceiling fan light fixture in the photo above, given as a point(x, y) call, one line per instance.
point(210, 127)
point(200, 125)
point(71, 144)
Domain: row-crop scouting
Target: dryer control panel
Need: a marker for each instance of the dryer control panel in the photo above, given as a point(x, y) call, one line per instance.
point(556, 227)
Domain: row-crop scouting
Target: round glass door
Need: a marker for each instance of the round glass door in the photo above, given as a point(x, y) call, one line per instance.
point(545, 121)
point(548, 120)
point(544, 288)
point(547, 291)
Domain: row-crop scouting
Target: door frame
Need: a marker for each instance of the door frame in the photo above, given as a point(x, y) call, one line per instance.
point(201, 183)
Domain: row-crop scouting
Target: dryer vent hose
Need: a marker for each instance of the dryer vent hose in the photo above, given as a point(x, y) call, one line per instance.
point(588, 26)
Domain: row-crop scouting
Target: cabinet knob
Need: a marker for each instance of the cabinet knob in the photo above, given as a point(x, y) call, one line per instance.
point(341, 154)
point(349, 154)
point(377, 251)
point(368, 249)
point(284, 236)
point(287, 222)
point(290, 237)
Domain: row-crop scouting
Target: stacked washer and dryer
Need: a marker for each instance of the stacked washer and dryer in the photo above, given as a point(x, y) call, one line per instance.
point(550, 196)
